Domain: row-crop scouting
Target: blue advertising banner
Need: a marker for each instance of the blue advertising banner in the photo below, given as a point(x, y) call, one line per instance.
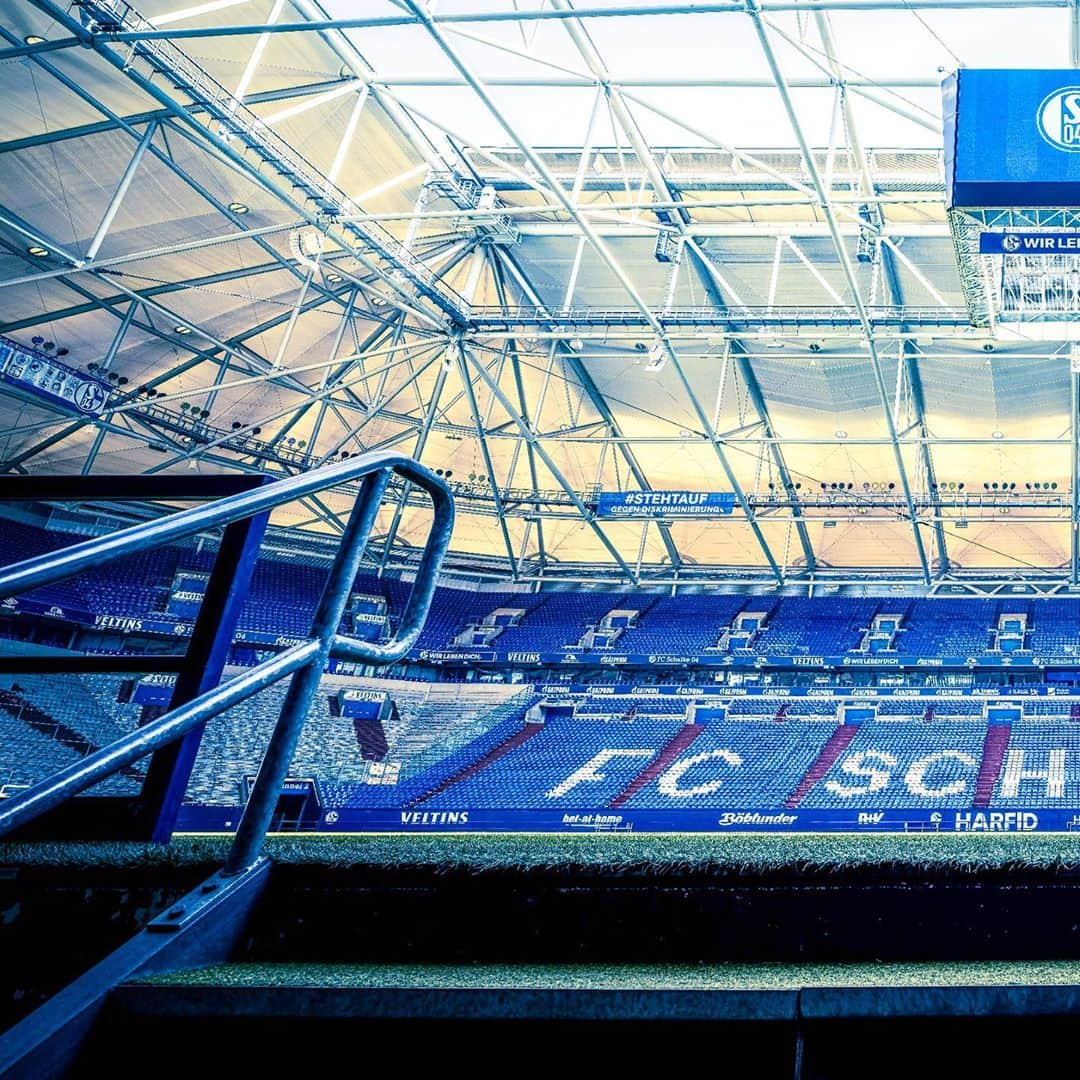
point(455, 656)
point(43, 376)
point(27, 604)
point(664, 504)
point(963, 820)
point(597, 690)
point(1029, 243)
point(1012, 138)
point(608, 659)
point(154, 689)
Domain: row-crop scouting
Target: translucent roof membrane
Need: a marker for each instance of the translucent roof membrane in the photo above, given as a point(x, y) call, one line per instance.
point(551, 250)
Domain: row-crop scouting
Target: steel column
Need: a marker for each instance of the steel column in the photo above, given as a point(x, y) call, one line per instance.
point(597, 398)
point(489, 467)
point(911, 366)
point(204, 663)
point(519, 385)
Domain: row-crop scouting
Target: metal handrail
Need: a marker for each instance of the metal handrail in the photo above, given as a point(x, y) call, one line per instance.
point(304, 662)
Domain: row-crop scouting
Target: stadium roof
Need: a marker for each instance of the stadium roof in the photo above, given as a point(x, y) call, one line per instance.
point(550, 250)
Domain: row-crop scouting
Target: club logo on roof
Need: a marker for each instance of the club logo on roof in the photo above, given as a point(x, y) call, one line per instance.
point(90, 397)
point(1059, 119)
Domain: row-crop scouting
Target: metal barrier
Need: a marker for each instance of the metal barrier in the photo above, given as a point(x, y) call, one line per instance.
point(305, 662)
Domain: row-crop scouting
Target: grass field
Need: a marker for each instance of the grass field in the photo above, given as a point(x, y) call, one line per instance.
point(628, 976)
point(731, 853)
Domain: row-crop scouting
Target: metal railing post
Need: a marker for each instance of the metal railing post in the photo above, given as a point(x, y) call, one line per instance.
point(259, 811)
point(204, 662)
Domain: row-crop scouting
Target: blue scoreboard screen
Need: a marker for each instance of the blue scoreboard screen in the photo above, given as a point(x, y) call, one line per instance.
point(1012, 138)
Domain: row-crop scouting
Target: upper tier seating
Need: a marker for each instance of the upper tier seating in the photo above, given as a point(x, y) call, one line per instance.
point(953, 627)
point(131, 586)
point(284, 593)
point(458, 609)
point(559, 620)
point(681, 624)
point(1053, 626)
point(802, 626)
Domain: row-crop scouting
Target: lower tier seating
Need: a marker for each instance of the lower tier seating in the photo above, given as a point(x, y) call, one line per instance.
point(455, 747)
point(897, 764)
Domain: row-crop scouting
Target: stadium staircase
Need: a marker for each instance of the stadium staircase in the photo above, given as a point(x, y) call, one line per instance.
point(371, 737)
point(788, 960)
point(512, 742)
point(837, 743)
point(994, 748)
point(40, 721)
point(668, 753)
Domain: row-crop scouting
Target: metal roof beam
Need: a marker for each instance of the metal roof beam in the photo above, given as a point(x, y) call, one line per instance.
point(198, 357)
point(154, 290)
point(489, 467)
point(556, 188)
point(545, 457)
point(48, 138)
point(261, 143)
point(886, 253)
point(615, 11)
point(163, 155)
point(753, 9)
point(519, 385)
point(647, 82)
point(736, 230)
point(535, 160)
point(753, 388)
point(594, 394)
point(453, 352)
point(918, 402)
point(18, 52)
point(418, 449)
point(646, 159)
point(263, 451)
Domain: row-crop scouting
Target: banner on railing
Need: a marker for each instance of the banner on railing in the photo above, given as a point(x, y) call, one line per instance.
point(630, 689)
point(664, 504)
point(609, 659)
point(1029, 243)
